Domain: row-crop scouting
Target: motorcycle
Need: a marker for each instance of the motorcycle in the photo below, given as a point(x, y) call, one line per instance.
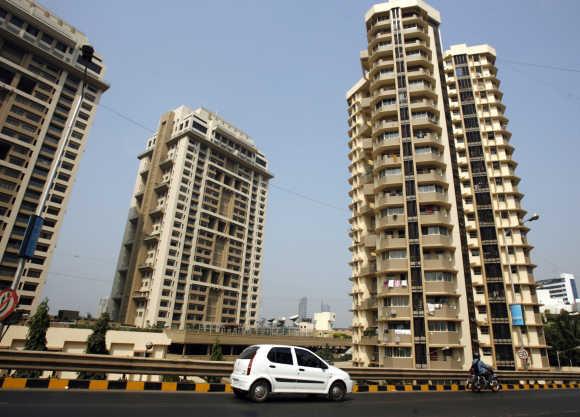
point(477, 383)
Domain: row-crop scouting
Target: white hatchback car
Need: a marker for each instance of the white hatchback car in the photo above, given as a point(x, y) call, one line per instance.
point(264, 369)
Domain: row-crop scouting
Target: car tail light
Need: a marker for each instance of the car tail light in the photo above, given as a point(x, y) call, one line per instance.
point(250, 365)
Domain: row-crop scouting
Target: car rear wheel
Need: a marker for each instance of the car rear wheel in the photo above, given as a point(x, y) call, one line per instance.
point(337, 391)
point(259, 391)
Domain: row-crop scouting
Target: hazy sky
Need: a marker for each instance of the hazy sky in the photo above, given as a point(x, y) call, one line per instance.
point(279, 70)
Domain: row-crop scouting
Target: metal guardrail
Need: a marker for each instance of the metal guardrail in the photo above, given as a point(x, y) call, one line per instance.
point(56, 361)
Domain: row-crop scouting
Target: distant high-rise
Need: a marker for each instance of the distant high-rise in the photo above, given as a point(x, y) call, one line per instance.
point(40, 82)
point(436, 217)
point(303, 308)
point(192, 250)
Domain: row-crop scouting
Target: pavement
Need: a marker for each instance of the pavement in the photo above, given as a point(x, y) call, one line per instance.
point(565, 403)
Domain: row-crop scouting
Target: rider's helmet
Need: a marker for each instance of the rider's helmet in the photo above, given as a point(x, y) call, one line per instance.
point(476, 355)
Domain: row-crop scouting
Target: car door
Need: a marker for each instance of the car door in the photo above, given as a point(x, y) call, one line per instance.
point(282, 369)
point(312, 375)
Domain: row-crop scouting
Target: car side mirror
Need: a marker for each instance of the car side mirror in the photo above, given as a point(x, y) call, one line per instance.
point(323, 366)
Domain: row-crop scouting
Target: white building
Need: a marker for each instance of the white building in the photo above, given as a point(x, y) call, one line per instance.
point(324, 321)
point(557, 294)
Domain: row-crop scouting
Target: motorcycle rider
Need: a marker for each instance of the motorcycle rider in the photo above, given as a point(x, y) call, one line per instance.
point(480, 368)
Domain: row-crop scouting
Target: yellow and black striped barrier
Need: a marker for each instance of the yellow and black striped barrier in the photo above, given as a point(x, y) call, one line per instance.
point(10, 383)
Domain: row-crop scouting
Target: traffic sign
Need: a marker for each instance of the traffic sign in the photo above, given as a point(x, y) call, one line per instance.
point(523, 354)
point(8, 303)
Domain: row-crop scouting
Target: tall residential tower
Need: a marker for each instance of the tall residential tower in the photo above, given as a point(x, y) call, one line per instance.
point(192, 250)
point(40, 79)
point(417, 293)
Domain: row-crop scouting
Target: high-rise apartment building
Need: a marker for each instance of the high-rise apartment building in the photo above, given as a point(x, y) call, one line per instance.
point(192, 249)
point(498, 250)
point(303, 308)
point(40, 80)
point(422, 296)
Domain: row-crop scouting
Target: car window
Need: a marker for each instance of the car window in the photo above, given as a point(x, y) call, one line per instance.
point(248, 353)
point(306, 358)
point(280, 355)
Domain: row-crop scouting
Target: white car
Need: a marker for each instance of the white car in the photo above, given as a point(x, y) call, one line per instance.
point(264, 369)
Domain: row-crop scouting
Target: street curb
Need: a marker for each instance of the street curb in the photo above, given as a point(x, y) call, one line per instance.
point(53, 384)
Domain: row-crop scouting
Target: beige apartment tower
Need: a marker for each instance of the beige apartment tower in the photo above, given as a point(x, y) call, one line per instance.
point(192, 252)
point(40, 79)
point(421, 298)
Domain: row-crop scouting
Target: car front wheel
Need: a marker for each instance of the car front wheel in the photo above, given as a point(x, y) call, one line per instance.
point(337, 391)
point(259, 391)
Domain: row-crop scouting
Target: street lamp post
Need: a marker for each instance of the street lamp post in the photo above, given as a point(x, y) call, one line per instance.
point(36, 221)
point(515, 306)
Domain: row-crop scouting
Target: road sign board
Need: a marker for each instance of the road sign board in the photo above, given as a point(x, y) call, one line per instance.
point(8, 303)
point(523, 354)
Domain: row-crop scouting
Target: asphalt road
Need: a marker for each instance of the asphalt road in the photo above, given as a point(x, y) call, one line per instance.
point(564, 403)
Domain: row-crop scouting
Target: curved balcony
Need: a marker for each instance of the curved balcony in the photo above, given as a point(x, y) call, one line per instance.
point(440, 287)
point(418, 58)
point(393, 220)
point(395, 313)
point(383, 78)
point(369, 340)
point(393, 264)
point(433, 197)
point(386, 291)
point(425, 123)
point(437, 241)
point(444, 338)
point(392, 338)
point(389, 201)
point(430, 139)
point(381, 63)
point(386, 162)
point(384, 145)
point(378, 37)
point(386, 110)
point(431, 178)
point(388, 180)
point(442, 263)
point(444, 312)
point(435, 218)
point(384, 243)
point(385, 125)
point(423, 104)
point(382, 52)
point(420, 73)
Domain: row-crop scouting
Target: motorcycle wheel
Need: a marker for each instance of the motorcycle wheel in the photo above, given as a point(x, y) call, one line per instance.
point(476, 386)
point(495, 386)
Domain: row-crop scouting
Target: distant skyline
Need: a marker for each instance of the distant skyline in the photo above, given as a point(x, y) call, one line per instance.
point(280, 71)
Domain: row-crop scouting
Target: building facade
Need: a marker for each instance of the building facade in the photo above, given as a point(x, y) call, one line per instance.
point(421, 296)
point(303, 308)
point(192, 249)
point(557, 294)
point(40, 83)
point(499, 253)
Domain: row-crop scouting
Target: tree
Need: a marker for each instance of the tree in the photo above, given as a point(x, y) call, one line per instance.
point(215, 355)
point(216, 352)
point(563, 335)
point(37, 327)
point(326, 354)
point(96, 342)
